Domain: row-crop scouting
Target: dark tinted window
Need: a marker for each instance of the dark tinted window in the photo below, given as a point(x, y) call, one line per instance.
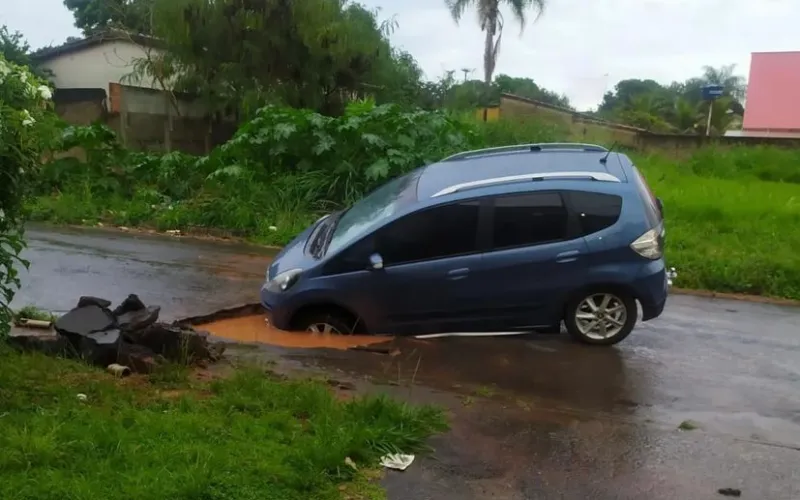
point(651, 210)
point(596, 211)
point(438, 232)
point(529, 219)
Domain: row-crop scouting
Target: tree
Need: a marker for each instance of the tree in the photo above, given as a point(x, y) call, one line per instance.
point(491, 22)
point(92, 16)
point(13, 47)
point(240, 55)
point(525, 87)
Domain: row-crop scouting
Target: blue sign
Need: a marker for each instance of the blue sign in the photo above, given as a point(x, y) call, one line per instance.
point(712, 92)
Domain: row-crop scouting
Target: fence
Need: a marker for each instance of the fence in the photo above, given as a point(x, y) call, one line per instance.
point(145, 119)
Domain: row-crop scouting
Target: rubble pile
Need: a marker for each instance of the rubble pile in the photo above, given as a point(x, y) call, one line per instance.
point(129, 335)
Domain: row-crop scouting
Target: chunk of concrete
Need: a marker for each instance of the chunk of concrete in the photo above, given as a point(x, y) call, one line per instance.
point(45, 341)
point(176, 343)
point(99, 348)
point(138, 358)
point(85, 320)
point(88, 300)
point(132, 303)
point(138, 320)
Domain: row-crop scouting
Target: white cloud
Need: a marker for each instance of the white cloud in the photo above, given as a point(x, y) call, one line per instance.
point(570, 49)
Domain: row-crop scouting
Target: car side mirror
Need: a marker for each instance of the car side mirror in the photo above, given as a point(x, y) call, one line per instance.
point(660, 205)
point(375, 262)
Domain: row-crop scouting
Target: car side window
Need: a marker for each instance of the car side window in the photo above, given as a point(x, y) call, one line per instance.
point(435, 233)
point(529, 219)
point(596, 211)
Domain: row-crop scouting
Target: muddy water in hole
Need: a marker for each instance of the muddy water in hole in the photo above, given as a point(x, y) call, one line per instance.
point(255, 329)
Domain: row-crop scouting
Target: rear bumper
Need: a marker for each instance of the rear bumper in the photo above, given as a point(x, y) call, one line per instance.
point(652, 289)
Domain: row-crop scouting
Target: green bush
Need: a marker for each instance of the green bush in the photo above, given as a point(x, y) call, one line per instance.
point(23, 128)
point(730, 212)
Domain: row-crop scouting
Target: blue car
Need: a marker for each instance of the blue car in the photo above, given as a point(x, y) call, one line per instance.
point(510, 239)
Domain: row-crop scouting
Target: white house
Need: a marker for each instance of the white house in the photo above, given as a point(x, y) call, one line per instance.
point(96, 61)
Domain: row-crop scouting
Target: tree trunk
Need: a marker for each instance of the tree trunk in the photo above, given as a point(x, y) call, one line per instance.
point(488, 51)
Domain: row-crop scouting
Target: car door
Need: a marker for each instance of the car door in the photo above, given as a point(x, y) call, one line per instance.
point(537, 257)
point(426, 282)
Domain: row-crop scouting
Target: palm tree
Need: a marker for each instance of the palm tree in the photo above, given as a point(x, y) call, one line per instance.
point(491, 22)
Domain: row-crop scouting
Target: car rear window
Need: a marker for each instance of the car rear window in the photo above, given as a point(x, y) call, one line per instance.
point(596, 211)
point(651, 210)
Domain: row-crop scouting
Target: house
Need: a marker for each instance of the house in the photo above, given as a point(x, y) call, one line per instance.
point(96, 61)
point(773, 96)
point(95, 82)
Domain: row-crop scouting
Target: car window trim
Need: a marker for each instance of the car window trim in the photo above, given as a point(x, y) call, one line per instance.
point(573, 224)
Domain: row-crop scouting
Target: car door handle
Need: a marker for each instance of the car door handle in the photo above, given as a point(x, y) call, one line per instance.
point(568, 256)
point(458, 274)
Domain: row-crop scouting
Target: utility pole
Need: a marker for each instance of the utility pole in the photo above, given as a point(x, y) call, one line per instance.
point(466, 71)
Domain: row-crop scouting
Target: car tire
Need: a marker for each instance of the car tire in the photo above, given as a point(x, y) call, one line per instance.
point(591, 311)
point(325, 322)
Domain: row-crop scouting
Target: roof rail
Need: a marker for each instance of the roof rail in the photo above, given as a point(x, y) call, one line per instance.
point(530, 148)
point(594, 176)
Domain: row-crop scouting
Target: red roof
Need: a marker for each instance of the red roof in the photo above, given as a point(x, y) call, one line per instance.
point(773, 92)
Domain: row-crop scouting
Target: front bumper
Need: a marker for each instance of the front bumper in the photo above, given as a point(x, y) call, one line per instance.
point(276, 313)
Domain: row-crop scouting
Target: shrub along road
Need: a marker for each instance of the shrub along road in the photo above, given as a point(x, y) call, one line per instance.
point(539, 417)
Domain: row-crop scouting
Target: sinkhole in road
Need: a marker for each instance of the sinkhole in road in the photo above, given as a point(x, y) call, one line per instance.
point(253, 328)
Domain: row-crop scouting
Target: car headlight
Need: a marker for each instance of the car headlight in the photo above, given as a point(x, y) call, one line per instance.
point(284, 280)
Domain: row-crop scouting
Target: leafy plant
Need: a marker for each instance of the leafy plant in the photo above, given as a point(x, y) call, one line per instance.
point(23, 128)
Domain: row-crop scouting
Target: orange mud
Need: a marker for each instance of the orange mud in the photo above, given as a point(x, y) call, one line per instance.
point(255, 329)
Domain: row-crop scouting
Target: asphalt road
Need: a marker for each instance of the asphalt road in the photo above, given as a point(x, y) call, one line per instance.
point(536, 417)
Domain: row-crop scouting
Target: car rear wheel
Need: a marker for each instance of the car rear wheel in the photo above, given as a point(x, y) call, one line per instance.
point(323, 322)
point(602, 317)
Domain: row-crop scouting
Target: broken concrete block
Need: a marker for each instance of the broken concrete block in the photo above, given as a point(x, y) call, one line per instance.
point(177, 343)
point(99, 348)
point(85, 320)
point(93, 301)
point(138, 320)
point(138, 358)
point(45, 341)
point(132, 303)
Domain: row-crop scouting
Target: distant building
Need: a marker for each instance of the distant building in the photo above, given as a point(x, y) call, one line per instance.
point(772, 108)
point(96, 61)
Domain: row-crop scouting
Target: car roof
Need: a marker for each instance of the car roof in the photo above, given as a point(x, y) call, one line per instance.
point(478, 167)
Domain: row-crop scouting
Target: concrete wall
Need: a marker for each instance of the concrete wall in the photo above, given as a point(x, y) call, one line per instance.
point(580, 127)
point(144, 119)
point(96, 66)
point(584, 128)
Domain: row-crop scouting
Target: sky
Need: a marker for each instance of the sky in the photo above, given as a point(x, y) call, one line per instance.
point(577, 47)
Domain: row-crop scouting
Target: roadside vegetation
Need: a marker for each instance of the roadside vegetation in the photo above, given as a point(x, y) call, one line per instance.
point(730, 211)
point(250, 436)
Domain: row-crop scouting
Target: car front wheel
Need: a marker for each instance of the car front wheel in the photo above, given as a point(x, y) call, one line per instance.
point(325, 323)
point(601, 317)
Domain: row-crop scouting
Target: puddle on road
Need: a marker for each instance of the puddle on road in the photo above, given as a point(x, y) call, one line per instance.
point(254, 329)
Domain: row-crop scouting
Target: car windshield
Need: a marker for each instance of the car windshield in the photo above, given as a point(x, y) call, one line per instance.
point(375, 207)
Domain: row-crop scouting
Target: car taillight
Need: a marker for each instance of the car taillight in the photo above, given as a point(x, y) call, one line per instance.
point(648, 245)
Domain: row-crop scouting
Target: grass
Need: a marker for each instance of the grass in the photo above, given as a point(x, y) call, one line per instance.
point(249, 436)
point(34, 313)
point(729, 233)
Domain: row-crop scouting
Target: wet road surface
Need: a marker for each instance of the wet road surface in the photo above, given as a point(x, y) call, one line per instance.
point(534, 417)
point(186, 277)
